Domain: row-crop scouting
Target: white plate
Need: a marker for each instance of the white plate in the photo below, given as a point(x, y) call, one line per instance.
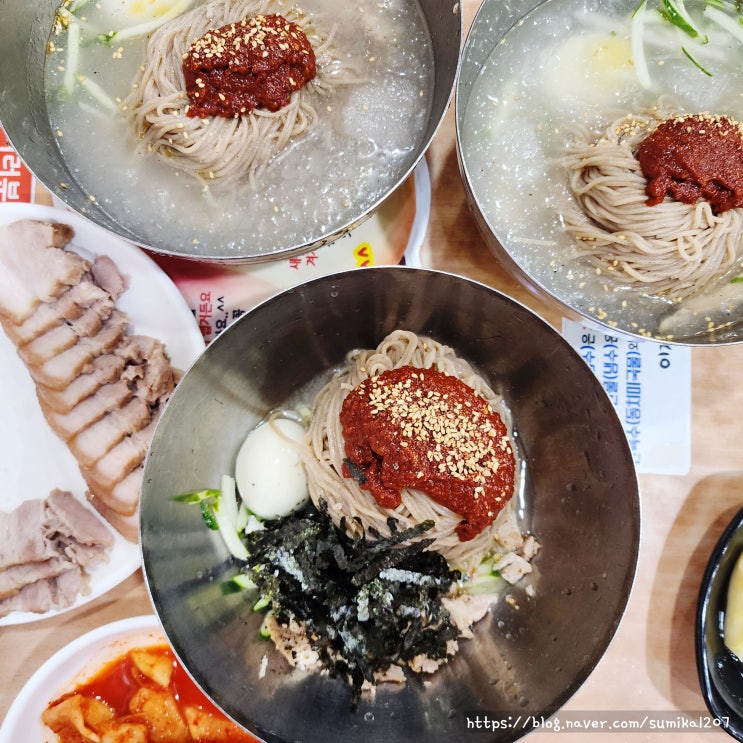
point(69, 667)
point(33, 460)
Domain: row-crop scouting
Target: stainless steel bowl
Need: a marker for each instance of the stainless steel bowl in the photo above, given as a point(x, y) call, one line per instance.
point(581, 501)
point(24, 34)
point(539, 258)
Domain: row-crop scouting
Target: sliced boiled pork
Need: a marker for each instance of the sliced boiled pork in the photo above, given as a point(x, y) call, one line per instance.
point(48, 547)
point(100, 387)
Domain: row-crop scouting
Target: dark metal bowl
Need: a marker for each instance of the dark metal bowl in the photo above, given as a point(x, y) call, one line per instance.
point(581, 502)
point(720, 672)
point(24, 34)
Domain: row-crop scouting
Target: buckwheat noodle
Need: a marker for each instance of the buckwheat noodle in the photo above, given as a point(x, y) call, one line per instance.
point(221, 150)
point(345, 498)
point(671, 249)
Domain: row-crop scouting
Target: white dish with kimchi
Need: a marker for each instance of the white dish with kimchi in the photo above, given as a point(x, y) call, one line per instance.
point(72, 664)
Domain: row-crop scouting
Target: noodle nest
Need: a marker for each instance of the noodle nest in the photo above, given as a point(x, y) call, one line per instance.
point(671, 249)
point(217, 150)
point(343, 496)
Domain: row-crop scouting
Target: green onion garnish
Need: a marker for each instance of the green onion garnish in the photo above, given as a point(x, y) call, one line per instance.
point(676, 15)
point(196, 496)
point(695, 63)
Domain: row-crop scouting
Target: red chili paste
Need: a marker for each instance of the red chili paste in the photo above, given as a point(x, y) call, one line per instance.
point(255, 63)
point(423, 429)
point(694, 157)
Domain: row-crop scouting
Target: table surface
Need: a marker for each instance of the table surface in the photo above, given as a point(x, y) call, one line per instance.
point(649, 666)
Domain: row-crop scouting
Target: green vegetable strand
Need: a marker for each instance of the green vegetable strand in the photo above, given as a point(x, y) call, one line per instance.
point(678, 17)
point(694, 62)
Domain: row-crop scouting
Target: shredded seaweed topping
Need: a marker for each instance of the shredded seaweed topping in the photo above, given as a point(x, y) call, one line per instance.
point(356, 472)
point(366, 604)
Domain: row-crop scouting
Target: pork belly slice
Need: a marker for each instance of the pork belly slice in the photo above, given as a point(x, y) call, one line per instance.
point(119, 461)
point(68, 518)
point(61, 370)
point(34, 267)
point(127, 526)
point(104, 369)
point(22, 536)
point(85, 555)
point(14, 578)
point(66, 334)
point(109, 471)
point(91, 321)
point(66, 538)
point(138, 360)
point(69, 306)
point(97, 440)
point(148, 368)
point(121, 497)
point(107, 275)
point(47, 595)
point(106, 398)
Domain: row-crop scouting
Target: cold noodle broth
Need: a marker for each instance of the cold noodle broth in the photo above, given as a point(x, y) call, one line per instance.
point(566, 66)
point(365, 139)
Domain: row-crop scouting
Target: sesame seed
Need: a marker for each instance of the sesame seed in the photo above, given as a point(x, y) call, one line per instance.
point(441, 420)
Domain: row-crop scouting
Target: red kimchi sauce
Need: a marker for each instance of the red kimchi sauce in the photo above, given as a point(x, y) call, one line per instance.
point(119, 691)
point(693, 157)
point(255, 63)
point(423, 429)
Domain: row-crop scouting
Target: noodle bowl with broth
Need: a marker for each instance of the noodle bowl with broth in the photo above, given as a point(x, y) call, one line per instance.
point(529, 142)
point(672, 248)
point(415, 525)
point(288, 177)
point(225, 151)
point(410, 462)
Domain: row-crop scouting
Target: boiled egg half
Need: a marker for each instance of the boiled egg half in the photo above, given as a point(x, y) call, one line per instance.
point(591, 68)
point(269, 472)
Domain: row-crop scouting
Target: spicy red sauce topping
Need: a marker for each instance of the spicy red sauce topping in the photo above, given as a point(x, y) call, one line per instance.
point(694, 157)
point(423, 429)
point(143, 695)
point(255, 63)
